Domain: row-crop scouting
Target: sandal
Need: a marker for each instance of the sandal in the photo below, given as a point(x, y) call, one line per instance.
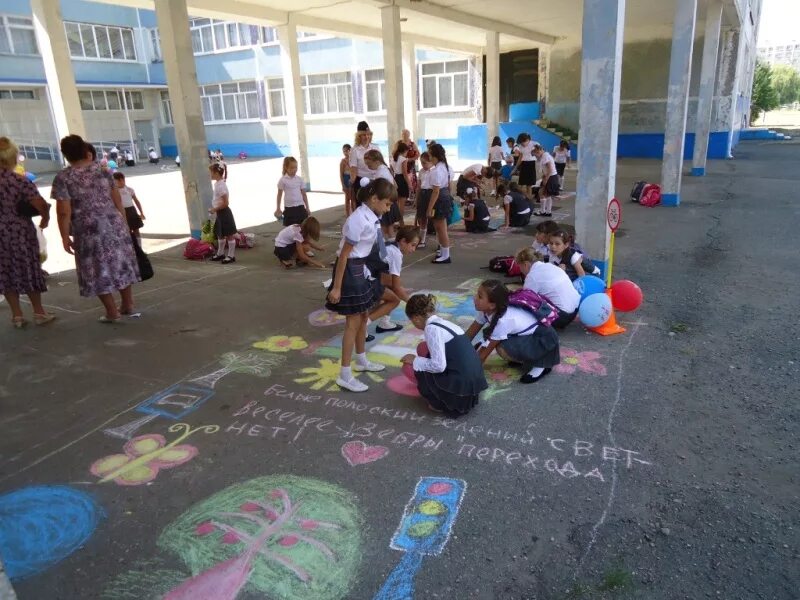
point(104, 319)
point(19, 322)
point(43, 319)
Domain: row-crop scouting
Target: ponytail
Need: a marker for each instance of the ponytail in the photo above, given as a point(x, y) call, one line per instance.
point(497, 294)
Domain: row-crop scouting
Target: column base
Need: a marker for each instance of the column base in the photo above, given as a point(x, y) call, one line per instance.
point(698, 171)
point(196, 233)
point(670, 199)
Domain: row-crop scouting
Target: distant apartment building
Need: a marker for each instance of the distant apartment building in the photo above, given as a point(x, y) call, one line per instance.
point(781, 54)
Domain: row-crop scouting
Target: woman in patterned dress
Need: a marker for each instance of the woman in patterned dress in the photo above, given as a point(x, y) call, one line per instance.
point(20, 269)
point(93, 228)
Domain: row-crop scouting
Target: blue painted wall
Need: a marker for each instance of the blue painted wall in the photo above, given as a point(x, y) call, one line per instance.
point(651, 145)
point(546, 138)
point(524, 111)
point(97, 12)
point(472, 141)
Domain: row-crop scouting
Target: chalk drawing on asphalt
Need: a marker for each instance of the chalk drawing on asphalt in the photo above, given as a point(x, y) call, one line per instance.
point(359, 453)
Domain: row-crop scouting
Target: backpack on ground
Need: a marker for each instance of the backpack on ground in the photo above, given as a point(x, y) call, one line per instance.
point(651, 195)
point(636, 192)
point(544, 312)
point(245, 240)
point(504, 264)
point(197, 250)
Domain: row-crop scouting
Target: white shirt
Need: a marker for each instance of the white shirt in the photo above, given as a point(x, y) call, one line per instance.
point(526, 152)
point(288, 236)
point(292, 186)
point(560, 155)
point(547, 165)
point(126, 194)
point(360, 230)
point(357, 159)
point(425, 179)
point(476, 168)
point(152, 154)
point(507, 199)
point(554, 284)
point(542, 249)
point(515, 321)
point(436, 338)
point(496, 154)
point(383, 172)
point(439, 176)
point(397, 165)
point(577, 257)
point(220, 189)
point(395, 259)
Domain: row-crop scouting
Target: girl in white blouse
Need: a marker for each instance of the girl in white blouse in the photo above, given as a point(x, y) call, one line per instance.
point(440, 204)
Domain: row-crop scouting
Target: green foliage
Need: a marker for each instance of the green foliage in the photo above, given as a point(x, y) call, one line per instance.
point(786, 81)
point(764, 97)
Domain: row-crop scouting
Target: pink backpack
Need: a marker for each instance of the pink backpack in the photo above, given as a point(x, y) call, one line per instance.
point(651, 195)
point(197, 250)
point(535, 304)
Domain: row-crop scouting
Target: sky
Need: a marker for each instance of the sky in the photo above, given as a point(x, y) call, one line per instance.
point(780, 21)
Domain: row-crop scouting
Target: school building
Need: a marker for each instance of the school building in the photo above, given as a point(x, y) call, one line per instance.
point(662, 79)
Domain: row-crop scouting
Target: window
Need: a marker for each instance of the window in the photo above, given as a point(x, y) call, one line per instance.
point(232, 101)
point(100, 41)
point(110, 100)
point(445, 84)
point(17, 94)
point(375, 90)
point(17, 36)
point(155, 45)
point(211, 35)
point(327, 93)
point(277, 106)
point(166, 108)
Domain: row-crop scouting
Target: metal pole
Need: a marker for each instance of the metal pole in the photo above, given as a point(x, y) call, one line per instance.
point(130, 129)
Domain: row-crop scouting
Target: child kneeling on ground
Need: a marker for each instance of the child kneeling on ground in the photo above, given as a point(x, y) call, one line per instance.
point(565, 255)
point(476, 213)
point(516, 205)
point(451, 376)
point(294, 243)
point(550, 282)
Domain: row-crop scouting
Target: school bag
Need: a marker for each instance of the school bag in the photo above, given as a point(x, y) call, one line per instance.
point(651, 195)
point(143, 261)
point(197, 250)
point(245, 240)
point(504, 264)
point(535, 304)
point(636, 192)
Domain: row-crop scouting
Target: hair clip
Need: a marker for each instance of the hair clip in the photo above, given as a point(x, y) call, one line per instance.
point(364, 181)
point(470, 190)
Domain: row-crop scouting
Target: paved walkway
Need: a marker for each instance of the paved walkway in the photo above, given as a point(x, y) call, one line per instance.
point(205, 447)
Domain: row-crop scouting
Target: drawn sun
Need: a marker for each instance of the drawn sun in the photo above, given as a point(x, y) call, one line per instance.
point(324, 376)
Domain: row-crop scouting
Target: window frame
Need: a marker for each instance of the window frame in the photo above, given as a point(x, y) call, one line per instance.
point(5, 30)
point(447, 107)
point(306, 96)
point(234, 99)
point(267, 91)
point(381, 91)
point(165, 106)
point(130, 97)
point(12, 91)
point(97, 31)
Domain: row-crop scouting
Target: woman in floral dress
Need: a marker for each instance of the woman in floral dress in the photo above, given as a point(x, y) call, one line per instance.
point(20, 269)
point(93, 228)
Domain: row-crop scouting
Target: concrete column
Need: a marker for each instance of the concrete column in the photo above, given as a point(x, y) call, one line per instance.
point(392, 72)
point(410, 87)
point(293, 97)
point(601, 73)
point(726, 86)
point(492, 109)
point(544, 78)
point(680, 74)
point(187, 115)
point(51, 37)
point(708, 76)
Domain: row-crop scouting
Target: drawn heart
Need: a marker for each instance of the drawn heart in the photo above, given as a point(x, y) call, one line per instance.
point(358, 453)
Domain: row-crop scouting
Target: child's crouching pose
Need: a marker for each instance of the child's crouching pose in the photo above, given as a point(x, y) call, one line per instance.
point(564, 254)
point(405, 242)
point(451, 377)
point(476, 213)
point(294, 243)
point(352, 292)
point(551, 283)
point(514, 332)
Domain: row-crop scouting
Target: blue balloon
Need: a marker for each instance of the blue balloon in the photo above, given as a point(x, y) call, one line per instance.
point(595, 310)
point(31, 177)
point(588, 285)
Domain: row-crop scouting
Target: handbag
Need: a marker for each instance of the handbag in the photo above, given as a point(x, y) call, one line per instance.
point(26, 209)
point(145, 266)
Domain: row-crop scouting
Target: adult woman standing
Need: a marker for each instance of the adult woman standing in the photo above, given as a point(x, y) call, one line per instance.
point(362, 145)
point(412, 155)
point(93, 228)
point(20, 269)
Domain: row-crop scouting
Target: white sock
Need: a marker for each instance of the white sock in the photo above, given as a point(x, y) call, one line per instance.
point(346, 373)
point(424, 234)
point(231, 248)
point(386, 322)
point(369, 321)
point(221, 246)
point(361, 359)
point(445, 253)
point(536, 371)
point(548, 202)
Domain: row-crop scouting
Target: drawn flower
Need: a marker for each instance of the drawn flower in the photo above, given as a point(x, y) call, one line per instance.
point(324, 376)
point(281, 343)
point(586, 362)
point(324, 318)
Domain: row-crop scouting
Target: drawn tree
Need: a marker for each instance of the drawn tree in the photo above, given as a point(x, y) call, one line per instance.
point(288, 537)
point(251, 363)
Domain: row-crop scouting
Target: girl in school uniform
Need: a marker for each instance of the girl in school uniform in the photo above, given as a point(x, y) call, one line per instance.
point(565, 256)
point(496, 157)
point(527, 163)
point(344, 177)
point(513, 332)
point(476, 214)
point(552, 283)
point(516, 205)
point(380, 170)
point(562, 159)
point(133, 209)
point(405, 242)
point(294, 242)
point(224, 225)
point(451, 376)
point(440, 204)
point(293, 190)
point(541, 238)
point(353, 293)
point(423, 196)
point(550, 181)
point(358, 168)
point(402, 176)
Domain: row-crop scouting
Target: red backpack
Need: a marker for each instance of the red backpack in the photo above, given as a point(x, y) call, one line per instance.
point(504, 264)
point(651, 195)
point(535, 304)
point(197, 250)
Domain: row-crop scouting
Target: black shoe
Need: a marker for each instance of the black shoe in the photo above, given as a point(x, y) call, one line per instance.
point(528, 378)
point(228, 260)
point(217, 257)
point(379, 329)
point(370, 338)
point(446, 261)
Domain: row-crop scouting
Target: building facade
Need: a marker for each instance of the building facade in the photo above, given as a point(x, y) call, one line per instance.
point(781, 54)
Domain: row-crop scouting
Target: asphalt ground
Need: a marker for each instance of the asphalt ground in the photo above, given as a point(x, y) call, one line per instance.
point(659, 463)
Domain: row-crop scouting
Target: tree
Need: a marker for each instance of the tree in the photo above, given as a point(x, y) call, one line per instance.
point(786, 81)
point(764, 97)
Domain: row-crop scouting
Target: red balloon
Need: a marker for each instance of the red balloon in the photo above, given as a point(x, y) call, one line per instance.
point(626, 295)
